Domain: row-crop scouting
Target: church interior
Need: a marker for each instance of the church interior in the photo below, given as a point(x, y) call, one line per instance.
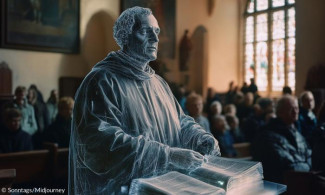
point(232, 57)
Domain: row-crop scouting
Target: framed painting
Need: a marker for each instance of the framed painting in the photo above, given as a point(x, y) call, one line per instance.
point(40, 25)
point(164, 11)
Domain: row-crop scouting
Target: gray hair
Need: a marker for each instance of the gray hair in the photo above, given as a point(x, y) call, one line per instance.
point(283, 102)
point(125, 22)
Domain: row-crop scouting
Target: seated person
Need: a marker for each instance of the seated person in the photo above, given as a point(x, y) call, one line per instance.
point(280, 146)
point(12, 138)
point(230, 109)
point(307, 119)
point(28, 120)
point(219, 129)
point(214, 109)
point(59, 131)
point(250, 126)
point(318, 157)
point(194, 106)
point(234, 129)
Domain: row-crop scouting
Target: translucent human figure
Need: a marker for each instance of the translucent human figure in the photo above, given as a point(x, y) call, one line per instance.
point(126, 122)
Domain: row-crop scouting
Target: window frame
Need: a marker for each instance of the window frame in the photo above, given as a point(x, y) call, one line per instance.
point(269, 11)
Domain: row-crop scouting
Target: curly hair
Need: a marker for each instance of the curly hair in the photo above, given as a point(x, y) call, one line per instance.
point(125, 22)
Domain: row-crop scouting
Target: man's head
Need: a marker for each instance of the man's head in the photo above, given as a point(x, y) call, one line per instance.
point(219, 124)
point(12, 119)
point(307, 100)
point(20, 93)
point(287, 109)
point(194, 105)
point(232, 121)
point(136, 32)
point(65, 107)
point(230, 109)
point(265, 106)
point(215, 108)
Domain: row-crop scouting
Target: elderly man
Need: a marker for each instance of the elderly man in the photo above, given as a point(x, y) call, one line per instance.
point(126, 122)
point(280, 146)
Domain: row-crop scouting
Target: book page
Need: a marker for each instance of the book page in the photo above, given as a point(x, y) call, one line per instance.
point(173, 183)
point(228, 173)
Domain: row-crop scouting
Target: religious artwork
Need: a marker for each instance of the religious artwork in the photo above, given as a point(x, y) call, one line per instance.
point(40, 25)
point(164, 11)
point(184, 51)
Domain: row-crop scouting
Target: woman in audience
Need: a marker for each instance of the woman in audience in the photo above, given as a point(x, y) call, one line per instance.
point(219, 129)
point(234, 129)
point(52, 105)
point(59, 131)
point(12, 138)
point(194, 106)
point(28, 122)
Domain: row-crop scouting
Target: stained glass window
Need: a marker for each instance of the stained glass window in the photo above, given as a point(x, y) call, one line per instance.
point(278, 65)
point(278, 25)
point(262, 5)
point(251, 5)
point(270, 44)
point(249, 62)
point(262, 65)
point(261, 27)
point(277, 3)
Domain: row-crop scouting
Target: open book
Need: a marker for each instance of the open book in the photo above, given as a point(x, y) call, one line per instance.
point(229, 173)
point(217, 175)
point(173, 183)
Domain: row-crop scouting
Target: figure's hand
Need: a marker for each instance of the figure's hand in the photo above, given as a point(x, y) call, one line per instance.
point(185, 159)
point(208, 145)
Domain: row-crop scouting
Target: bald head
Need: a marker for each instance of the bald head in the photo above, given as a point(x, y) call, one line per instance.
point(287, 109)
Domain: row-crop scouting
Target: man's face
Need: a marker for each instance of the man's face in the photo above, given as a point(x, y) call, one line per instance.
point(13, 124)
point(195, 107)
point(143, 42)
point(66, 111)
point(290, 112)
point(20, 95)
point(308, 102)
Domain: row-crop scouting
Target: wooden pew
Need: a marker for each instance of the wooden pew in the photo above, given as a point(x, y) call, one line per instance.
point(7, 177)
point(32, 167)
point(243, 150)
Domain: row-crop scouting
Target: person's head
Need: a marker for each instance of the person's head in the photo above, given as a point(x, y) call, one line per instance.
point(32, 96)
point(194, 105)
point(215, 108)
point(286, 90)
point(307, 100)
point(252, 80)
point(65, 107)
point(230, 109)
point(287, 109)
point(249, 99)
point(20, 93)
point(12, 119)
point(238, 98)
point(219, 124)
point(136, 31)
point(53, 96)
point(232, 121)
point(264, 106)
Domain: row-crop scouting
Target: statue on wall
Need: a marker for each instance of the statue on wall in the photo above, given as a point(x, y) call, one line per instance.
point(184, 52)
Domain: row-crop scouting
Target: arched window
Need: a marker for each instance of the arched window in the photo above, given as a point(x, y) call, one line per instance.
point(269, 51)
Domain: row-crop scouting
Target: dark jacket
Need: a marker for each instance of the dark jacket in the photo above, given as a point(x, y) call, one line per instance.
point(280, 148)
point(307, 124)
point(59, 132)
point(14, 141)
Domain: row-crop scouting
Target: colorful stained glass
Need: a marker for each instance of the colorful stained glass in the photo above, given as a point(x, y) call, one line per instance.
point(250, 29)
point(261, 32)
point(262, 5)
point(291, 22)
point(277, 3)
point(278, 25)
point(291, 63)
point(278, 65)
point(250, 7)
point(249, 62)
point(291, 1)
point(261, 66)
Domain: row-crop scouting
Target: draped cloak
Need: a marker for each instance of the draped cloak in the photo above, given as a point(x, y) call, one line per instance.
point(125, 121)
